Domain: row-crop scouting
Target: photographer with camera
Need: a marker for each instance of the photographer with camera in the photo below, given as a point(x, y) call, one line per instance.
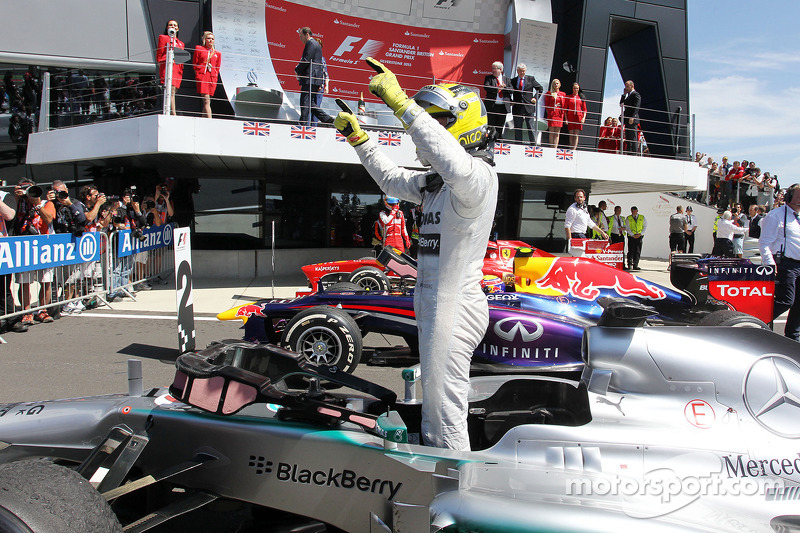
point(163, 203)
point(129, 216)
point(7, 305)
point(70, 218)
point(119, 221)
point(137, 214)
point(90, 202)
point(33, 217)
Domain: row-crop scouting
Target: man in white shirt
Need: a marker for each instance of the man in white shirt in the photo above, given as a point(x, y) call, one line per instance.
point(617, 221)
point(577, 219)
point(726, 229)
point(780, 235)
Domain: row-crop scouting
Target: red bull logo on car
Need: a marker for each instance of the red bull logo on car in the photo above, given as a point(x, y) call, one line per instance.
point(580, 278)
point(250, 310)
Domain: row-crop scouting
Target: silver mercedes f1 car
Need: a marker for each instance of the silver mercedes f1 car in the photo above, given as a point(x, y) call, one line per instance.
point(668, 429)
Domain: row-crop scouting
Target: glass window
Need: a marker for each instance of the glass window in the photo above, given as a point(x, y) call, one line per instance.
point(541, 224)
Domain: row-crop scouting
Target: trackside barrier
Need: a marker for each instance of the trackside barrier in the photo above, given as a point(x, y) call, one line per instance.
point(51, 270)
point(48, 271)
point(139, 257)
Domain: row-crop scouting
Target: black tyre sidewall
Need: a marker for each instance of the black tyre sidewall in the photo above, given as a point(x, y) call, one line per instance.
point(727, 318)
point(339, 323)
point(49, 498)
point(344, 286)
point(11, 523)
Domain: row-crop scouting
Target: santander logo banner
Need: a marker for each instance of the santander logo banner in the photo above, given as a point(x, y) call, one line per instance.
point(417, 56)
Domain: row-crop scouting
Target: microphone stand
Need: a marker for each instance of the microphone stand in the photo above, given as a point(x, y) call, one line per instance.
point(168, 75)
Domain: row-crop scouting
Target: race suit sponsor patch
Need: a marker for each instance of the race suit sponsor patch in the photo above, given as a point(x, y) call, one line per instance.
point(429, 243)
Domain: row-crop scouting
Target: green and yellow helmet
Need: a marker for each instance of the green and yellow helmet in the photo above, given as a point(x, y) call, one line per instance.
point(465, 113)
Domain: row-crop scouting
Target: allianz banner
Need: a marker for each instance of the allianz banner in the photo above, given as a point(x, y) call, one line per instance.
point(35, 252)
point(152, 238)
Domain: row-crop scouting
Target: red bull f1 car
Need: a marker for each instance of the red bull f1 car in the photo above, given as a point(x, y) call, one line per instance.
point(668, 430)
point(537, 328)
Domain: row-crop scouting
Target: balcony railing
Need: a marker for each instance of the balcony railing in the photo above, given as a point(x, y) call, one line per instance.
point(71, 99)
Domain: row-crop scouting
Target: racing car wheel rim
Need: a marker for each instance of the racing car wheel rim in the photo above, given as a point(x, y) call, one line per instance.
point(320, 345)
point(369, 283)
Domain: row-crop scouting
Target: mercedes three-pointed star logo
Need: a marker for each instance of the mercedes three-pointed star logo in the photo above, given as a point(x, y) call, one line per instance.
point(771, 392)
point(526, 335)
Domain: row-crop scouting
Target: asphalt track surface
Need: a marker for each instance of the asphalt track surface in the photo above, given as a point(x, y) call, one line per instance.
point(87, 355)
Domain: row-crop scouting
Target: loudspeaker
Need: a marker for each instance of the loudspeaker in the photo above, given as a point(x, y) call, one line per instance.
point(555, 199)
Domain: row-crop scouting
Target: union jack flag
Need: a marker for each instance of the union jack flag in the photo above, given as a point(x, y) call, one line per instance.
point(259, 129)
point(533, 151)
point(308, 133)
point(562, 154)
point(340, 138)
point(502, 149)
point(388, 138)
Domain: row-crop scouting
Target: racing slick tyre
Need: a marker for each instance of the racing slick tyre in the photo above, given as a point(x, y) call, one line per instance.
point(735, 319)
point(370, 279)
point(325, 336)
point(41, 497)
point(344, 286)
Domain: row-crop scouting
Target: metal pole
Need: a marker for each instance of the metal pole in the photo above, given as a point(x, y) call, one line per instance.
point(168, 75)
point(273, 259)
point(622, 129)
point(692, 136)
point(44, 106)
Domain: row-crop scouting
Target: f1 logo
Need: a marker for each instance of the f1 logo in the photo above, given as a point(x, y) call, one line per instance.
point(370, 48)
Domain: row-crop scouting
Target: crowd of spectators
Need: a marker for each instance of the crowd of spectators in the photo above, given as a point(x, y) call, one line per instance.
point(68, 290)
point(741, 182)
point(103, 97)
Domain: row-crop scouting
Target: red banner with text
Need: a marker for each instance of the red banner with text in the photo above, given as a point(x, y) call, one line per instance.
point(417, 56)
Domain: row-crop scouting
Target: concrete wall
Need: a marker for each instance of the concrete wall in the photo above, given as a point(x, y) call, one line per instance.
point(79, 33)
point(657, 208)
point(248, 264)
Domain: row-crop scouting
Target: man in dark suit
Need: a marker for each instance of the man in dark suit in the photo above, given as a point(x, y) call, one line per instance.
point(630, 102)
point(524, 108)
point(311, 75)
point(498, 97)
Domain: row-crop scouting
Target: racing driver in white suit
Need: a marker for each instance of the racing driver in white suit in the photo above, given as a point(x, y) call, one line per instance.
point(459, 196)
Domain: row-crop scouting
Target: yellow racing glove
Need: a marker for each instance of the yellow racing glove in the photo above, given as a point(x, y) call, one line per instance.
point(384, 85)
point(347, 124)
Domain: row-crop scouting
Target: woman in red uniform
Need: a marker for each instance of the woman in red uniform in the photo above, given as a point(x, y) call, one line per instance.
point(554, 102)
point(206, 70)
point(575, 114)
point(606, 142)
point(161, 58)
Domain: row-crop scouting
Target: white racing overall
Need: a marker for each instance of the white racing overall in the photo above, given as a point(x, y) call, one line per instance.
point(451, 309)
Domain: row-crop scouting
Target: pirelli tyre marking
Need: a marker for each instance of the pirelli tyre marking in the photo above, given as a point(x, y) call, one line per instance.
point(325, 336)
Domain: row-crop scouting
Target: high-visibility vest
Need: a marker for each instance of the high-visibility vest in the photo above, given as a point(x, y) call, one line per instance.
point(635, 224)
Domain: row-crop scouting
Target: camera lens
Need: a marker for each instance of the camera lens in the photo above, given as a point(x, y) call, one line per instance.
point(135, 199)
point(62, 195)
point(34, 191)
